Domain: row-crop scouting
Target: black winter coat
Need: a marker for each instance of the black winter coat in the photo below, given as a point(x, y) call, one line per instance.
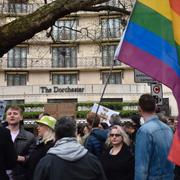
point(39, 152)
point(52, 167)
point(24, 144)
point(120, 166)
point(7, 153)
point(95, 141)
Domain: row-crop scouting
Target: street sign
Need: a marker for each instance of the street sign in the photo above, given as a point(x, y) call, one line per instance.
point(140, 77)
point(156, 91)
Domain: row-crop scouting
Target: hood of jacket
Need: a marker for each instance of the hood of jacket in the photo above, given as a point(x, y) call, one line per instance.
point(68, 149)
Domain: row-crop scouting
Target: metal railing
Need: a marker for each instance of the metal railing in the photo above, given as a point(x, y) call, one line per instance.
point(26, 8)
point(19, 8)
point(46, 63)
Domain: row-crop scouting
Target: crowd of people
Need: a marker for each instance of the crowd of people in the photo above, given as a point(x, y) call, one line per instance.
point(92, 151)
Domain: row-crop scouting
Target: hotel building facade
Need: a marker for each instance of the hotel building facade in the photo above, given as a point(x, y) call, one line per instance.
point(72, 64)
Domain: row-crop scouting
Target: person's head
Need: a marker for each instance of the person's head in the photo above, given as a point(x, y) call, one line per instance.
point(86, 130)
point(93, 120)
point(115, 120)
point(104, 125)
point(147, 104)
point(45, 128)
point(14, 115)
point(136, 120)
point(129, 127)
point(117, 136)
point(80, 129)
point(163, 118)
point(65, 127)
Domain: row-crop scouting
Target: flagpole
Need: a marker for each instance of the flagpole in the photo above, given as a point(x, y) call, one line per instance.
point(107, 80)
point(112, 64)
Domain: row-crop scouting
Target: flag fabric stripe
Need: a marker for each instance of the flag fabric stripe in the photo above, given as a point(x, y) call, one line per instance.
point(160, 7)
point(151, 22)
point(178, 51)
point(155, 51)
point(131, 54)
point(175, 149)
point(139, 37)
point(175, 4)
point(176, 26)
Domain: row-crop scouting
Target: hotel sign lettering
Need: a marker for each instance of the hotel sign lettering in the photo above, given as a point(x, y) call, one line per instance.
point(56, 89)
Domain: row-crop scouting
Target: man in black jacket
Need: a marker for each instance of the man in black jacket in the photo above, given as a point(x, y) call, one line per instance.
point(7, 153)
point(68, 160)
point(24, 141)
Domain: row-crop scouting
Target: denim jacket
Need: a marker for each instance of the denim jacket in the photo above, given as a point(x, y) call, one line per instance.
point(153, 141)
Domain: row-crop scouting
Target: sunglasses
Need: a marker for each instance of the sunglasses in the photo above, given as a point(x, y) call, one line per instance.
point(116, 135)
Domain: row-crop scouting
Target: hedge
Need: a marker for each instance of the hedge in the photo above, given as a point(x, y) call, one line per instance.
point(117, 106)
point(111, 105)
point(31, 115)
point(123, 113)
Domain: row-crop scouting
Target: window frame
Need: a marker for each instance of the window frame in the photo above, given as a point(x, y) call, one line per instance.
point(12, 79)
point(17, 57)
point(108, 52)
point(65, 78)
point(63, 29)
point(61, 60)
point(111, 27)
point(113, 75)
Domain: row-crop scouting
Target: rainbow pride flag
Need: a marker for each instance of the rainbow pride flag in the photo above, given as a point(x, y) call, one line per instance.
point(151, 44)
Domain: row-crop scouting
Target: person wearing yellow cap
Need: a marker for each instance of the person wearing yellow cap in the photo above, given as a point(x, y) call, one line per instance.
point(68, 159)
point(46, 134)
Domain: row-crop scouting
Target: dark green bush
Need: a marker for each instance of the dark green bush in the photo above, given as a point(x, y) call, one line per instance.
point(117, 106)
point(31, 115)
point(123, 113)
point(81, 114)
point(127, 113)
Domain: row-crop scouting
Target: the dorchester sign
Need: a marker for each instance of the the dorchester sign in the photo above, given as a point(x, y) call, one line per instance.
point(56, 89)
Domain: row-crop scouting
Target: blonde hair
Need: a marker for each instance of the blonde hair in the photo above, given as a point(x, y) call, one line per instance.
point(122, 132)
point(49, 135)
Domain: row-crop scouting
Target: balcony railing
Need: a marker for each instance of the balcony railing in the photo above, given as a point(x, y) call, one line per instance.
point(95, 35)
point(46, 63)
point(19, 8)
point(26, 8)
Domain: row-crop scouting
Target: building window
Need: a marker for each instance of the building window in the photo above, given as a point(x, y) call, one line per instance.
point(16, 79)
point(65, 30)
point(111, 27)
point(115, 78)
point(17, 6)
point(64, 57)
point(108, 52)
point(17, 57)
point(15, 101)
point(64, 79)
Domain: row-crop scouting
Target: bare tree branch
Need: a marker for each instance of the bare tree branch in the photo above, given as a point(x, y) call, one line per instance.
point(107, 8)
point(26, 27)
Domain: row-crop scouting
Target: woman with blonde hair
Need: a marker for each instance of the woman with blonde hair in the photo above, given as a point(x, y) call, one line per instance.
point(46, 140)
point(117, 161)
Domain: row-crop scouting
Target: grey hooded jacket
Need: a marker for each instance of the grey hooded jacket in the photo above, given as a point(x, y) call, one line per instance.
point(68, 160)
